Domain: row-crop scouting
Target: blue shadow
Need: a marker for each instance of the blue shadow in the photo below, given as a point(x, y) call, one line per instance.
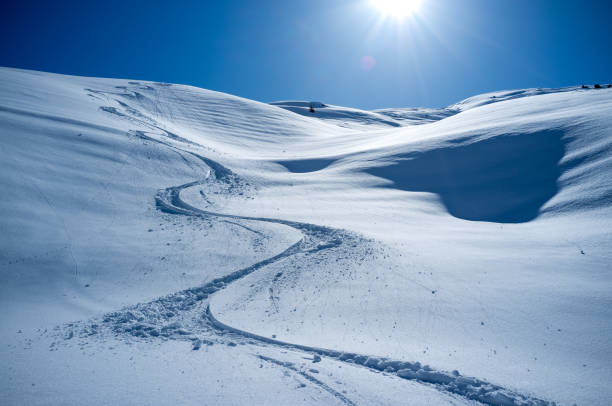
point(306, 165)
point(505, 179)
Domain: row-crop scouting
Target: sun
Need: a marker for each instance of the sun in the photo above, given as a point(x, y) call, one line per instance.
point(397, 8)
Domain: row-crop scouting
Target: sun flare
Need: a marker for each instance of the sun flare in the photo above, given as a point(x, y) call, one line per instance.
point(397, 8)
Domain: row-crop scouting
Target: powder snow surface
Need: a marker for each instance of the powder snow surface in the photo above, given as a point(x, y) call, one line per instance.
point(164, 244)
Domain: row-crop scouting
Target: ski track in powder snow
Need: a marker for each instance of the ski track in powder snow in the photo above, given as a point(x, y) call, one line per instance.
point(186, 315)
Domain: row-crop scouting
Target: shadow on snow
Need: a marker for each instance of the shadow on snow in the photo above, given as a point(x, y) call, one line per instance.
point(505, 179)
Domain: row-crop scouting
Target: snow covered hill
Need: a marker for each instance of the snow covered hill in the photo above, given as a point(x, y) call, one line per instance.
point(341, 116)
point(164, 244)
point(366, 120)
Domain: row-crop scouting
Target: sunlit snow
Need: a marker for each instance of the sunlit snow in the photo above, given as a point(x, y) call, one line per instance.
point(165, 244)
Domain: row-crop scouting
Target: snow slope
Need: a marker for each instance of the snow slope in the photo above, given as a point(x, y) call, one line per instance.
point(341, 116)
point(347, 117)
point(168, 244)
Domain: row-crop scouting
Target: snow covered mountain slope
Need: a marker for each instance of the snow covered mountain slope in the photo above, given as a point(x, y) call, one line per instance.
point(366, 120)
point(341, 116)
point(416, 115)
point(168, 244)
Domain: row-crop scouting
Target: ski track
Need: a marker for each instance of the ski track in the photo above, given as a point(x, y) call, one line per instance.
point(322, 385)
point(186, 315)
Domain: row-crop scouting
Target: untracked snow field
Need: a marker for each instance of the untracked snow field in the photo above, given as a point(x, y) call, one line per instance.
point(164, 244)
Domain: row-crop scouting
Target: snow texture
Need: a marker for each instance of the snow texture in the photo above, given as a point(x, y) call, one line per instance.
point(167, 244)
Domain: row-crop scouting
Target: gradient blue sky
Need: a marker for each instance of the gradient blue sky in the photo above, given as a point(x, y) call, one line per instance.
point(313, 50)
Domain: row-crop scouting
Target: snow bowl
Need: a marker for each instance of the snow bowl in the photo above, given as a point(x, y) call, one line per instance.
point(505, 179)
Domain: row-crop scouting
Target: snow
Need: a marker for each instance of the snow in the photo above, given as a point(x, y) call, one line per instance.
point(168, 244)
point(341, 116)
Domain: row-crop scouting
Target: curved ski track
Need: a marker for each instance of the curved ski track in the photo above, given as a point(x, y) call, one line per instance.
point(186, 315)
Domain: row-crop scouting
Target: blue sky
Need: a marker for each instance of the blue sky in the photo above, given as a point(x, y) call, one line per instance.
point(335, 51)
